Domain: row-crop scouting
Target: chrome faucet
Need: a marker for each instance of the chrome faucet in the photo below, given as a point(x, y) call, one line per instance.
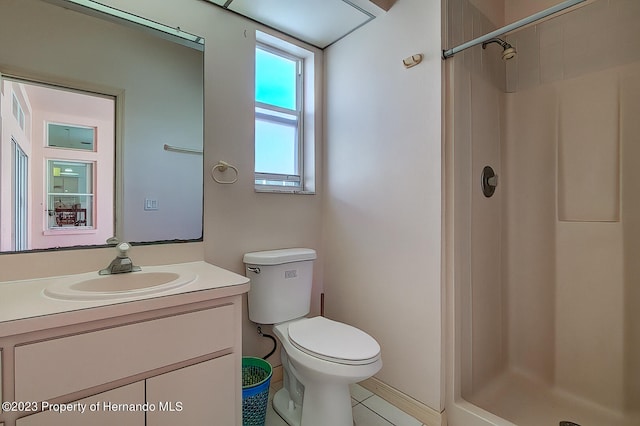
point(122, 263)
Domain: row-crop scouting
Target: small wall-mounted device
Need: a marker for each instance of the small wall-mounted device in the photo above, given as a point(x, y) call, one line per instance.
point(412, 60)
point(150, 204)
point(489, 181)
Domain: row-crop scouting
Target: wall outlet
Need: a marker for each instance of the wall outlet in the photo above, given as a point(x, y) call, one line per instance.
point(150, 204)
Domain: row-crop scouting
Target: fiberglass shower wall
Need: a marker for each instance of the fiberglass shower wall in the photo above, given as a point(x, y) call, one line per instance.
point(550, 290)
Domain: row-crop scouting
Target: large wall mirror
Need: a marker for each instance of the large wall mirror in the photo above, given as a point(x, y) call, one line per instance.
point(101, 129)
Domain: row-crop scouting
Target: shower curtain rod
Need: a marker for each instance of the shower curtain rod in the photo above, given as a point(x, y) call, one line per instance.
point(513, 26)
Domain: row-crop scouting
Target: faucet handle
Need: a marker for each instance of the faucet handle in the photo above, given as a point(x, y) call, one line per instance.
point(113, 240)
point(123, 248)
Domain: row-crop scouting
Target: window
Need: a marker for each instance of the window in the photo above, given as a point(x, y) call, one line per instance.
point(17, 111)
point(278, 120)
point(70, 194)
point(70, 136)
point(285, 115)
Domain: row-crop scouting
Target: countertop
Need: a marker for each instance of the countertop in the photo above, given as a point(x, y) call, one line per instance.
point(24, 307)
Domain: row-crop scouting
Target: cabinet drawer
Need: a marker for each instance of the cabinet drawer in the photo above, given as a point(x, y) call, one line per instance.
point(57, 367)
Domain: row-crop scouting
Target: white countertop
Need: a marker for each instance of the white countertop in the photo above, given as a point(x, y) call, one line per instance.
point(24, 299)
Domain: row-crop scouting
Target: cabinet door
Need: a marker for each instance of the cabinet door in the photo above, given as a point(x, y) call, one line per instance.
point(102, 414)
point(201, 394)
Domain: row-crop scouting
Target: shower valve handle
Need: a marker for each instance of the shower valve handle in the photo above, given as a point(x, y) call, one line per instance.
point(489, 181)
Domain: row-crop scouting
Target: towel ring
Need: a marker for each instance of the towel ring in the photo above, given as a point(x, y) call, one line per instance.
point(222, 166)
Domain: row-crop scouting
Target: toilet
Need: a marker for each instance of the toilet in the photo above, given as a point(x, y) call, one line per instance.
point(320, 357)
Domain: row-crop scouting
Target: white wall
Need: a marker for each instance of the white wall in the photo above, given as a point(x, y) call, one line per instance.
point(382, 215)
point(236, 219)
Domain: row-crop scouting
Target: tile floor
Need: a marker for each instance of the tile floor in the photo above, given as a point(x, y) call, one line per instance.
point(368, 410)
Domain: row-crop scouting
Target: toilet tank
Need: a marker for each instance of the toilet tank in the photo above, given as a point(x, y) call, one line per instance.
point(280, 284)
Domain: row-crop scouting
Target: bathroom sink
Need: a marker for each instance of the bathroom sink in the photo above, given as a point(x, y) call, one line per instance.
point(118, 286)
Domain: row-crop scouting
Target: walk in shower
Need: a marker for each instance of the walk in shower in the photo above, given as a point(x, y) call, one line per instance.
point(543, 287)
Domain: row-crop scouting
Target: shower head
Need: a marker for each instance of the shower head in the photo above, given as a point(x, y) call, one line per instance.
point(508, 51)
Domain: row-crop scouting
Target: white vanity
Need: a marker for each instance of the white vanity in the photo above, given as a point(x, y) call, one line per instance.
point(162, 354)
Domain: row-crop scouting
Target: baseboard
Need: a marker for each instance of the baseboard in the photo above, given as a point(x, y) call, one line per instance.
point(416, 409)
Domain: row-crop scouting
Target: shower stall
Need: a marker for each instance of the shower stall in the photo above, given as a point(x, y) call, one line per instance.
point(543, 275)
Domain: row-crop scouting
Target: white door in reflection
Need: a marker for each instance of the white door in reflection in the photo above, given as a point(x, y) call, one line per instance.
point(20, 190)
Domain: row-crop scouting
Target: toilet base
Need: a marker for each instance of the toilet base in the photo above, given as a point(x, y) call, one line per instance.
point(284, 406)
point(323, 405)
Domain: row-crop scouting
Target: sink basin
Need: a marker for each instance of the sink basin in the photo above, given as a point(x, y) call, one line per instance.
point(118, 286)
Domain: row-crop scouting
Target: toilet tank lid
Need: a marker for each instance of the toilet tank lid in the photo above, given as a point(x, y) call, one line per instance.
point(278, 257)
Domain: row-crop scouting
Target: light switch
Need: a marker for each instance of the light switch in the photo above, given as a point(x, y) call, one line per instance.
point(150, 204)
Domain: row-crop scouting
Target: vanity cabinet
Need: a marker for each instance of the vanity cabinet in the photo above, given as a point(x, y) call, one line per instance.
point(99, 415)
point(197, 393)
point(44, 370)
point(180, 364)
point(184, 396)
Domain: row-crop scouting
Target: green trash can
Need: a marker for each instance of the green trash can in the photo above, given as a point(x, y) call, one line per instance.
point(256, 377)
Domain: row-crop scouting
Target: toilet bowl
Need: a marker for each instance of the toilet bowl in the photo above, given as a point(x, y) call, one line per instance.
point(320, 357)
point(325, 356)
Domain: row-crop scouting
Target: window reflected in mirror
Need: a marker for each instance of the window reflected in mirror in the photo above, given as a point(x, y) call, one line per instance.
point(70, 136)
point(70, 194)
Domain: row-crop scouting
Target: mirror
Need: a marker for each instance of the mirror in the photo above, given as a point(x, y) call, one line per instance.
point(62, 184)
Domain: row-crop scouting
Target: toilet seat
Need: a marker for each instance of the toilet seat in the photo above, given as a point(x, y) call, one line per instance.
point(333, 341)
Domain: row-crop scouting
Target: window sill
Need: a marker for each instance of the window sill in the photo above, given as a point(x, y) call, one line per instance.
point(69, 231)
point(284, 191)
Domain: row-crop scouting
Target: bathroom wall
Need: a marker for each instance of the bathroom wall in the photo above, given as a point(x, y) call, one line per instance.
point(630, 110)
point(236, 219)
point(493, 10)
point(565, 268)
point(571, 137)
point(382, 212)
point(478, 77)
point(518, 9)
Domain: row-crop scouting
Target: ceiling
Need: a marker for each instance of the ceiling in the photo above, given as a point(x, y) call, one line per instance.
point(317, 22)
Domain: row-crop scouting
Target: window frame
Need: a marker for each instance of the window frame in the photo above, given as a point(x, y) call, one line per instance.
point(18, 111)
point(275, 182)
point(89, 216)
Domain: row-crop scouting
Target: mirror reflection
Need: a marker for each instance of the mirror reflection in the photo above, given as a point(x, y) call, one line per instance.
point(57, 181)
point(87, 107)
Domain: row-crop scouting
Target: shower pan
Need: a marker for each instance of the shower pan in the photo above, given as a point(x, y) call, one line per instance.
point(543, 301)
